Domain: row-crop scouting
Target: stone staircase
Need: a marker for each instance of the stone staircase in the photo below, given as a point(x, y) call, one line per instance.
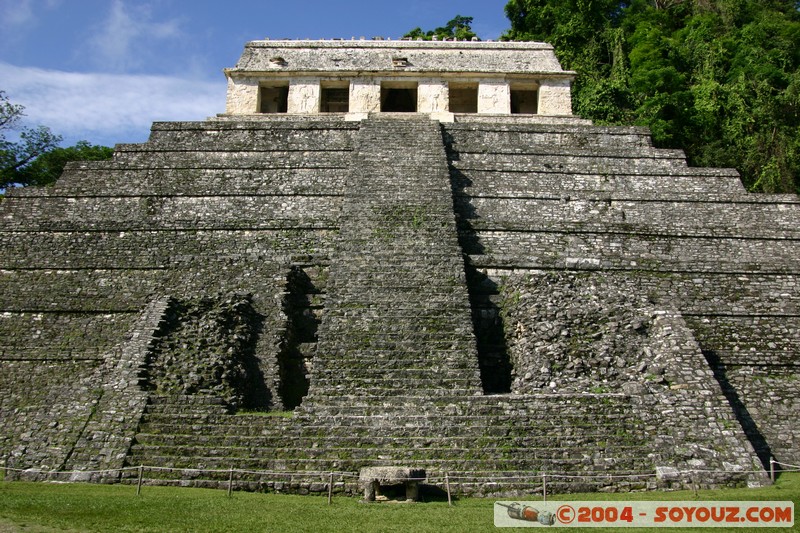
point(477, 441)
point(397, 313)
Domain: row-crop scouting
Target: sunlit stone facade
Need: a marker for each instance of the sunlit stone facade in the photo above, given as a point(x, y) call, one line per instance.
point(441, 78)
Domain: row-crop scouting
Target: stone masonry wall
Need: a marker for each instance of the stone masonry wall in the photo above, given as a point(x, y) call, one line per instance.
point(82, 260)
point(521, 298)
point(591, 200)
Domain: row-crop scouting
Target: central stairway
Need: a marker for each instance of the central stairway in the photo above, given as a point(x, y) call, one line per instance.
point(398, 315)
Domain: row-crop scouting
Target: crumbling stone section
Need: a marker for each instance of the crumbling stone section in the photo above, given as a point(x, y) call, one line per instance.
point(207, 347)
point(570, 334)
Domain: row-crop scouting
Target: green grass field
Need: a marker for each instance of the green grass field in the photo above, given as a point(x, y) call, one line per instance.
point(49, 507)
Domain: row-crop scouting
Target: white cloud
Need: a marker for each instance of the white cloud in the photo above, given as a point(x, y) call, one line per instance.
point(107, 108)
point(128, 37)
point(15, 13)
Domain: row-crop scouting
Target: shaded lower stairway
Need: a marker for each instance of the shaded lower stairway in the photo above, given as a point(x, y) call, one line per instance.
point(485, 444)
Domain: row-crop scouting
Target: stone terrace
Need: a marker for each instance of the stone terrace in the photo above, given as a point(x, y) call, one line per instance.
point(384, 279)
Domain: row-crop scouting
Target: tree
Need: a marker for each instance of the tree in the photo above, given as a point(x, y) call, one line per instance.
point(47, 168)
point(719, 79)
point(36, 158)
point(32, 143)
point(458, 28)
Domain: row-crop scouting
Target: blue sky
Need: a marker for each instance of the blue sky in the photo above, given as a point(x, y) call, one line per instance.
point(104, 70)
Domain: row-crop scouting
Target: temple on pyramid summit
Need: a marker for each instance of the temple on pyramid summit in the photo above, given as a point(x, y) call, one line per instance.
point(399, 261)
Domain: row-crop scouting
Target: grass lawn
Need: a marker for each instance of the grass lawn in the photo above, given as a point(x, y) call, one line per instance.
point(49, 507)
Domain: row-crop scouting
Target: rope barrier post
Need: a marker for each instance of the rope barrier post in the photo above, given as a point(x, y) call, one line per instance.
point(447, 486)
point(139, 481)
point(772, 469)
point(544, 487)
point(330, 488)
point(230, 482)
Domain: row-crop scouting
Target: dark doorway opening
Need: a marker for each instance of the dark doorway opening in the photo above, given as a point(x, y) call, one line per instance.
point(273, 99)
point(335, 99)
point(524, 101)
point(301, 333)
point(399, 98)
point(464, 98)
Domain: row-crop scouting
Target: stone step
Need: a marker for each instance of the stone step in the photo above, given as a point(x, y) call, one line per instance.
point(556, 452)
point(527, 464)
point(377, 436)
point(382, 391)
point(394, 378)
point(144, 159)
point(520, 133)
point(398, 382)
point(393, 346)
point(583, 164)
point(569, 407)
point(388, 360)
point(367, 328)
point(81, 179)
point(658, 186)
point(312, 421)
point(449, 275)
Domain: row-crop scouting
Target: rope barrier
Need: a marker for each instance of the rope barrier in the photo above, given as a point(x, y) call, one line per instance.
point(36, 471)
point(441, 477)
point(312, 473)
point(792, 467)
point(549, 474)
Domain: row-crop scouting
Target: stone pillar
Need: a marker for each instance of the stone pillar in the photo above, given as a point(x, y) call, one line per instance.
point(365, 96)
point(433, 96)
point(371, 490)
point(242, 97)
point(494, 97)
point(304, 96)
point(412, 490)
point(555, 97)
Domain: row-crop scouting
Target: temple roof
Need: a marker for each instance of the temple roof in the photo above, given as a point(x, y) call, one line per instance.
point(387, 56)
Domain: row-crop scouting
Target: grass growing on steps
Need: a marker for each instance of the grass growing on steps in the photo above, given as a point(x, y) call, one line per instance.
point(41, 507)
point(274, 414)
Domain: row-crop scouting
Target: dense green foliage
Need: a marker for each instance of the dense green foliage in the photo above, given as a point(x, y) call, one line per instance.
point(32, 142)
point(717, 78)
point(36, 158)
point(458, 28)
point(75, 507)
point(47, 168)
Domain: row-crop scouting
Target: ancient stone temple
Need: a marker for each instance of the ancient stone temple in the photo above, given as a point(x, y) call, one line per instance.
point(399, 254)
